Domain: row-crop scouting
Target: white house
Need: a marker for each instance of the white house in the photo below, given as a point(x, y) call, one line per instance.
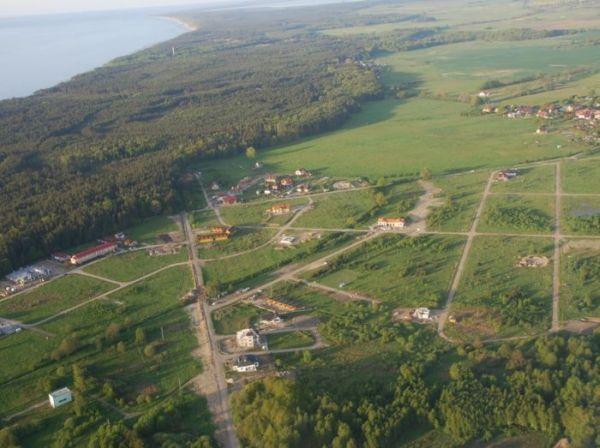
point(246, 363)
point(247, 338)
point(60, 397)
point(391, 223)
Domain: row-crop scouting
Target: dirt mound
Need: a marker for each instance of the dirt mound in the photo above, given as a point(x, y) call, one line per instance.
point(533, 261)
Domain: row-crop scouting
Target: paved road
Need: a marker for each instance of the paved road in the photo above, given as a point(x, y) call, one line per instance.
point(557, 238)
point(463, 259)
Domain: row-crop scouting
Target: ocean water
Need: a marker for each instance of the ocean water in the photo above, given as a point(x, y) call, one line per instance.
point(38, 52)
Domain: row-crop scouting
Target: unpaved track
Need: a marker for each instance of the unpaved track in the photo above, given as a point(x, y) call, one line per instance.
point(557, 239)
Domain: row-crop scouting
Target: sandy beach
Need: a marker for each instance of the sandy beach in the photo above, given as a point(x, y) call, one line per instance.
point(188, 26)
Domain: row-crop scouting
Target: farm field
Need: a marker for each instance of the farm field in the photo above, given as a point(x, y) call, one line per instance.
point(48, 299)
point(581, 215)
point(514, 213)
point(292, 339)
point(461, 195)
point(499, 298)
point(578, 176)
point(403, 137)
point(134, 264)
point(397, 270)
point(233, 318)
point(580, 280)
point(536, 179)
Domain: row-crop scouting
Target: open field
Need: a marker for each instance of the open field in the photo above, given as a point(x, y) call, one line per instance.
point(203, 219)
point(581, 215)
point(131, 265)
point(149, 305)
point(497, 297)
point(241, 240)
point(234, 318)
point(518, 214)
point(53, 297)
point(292, 339)
point(580, 280)
point(147, 231)
point(536, 179)
point(399, 270)
point(578, 176)
point(255, 214)
point(461, 194)
point(403, 137)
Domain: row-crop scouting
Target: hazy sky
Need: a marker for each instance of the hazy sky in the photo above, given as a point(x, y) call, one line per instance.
point(20, 7)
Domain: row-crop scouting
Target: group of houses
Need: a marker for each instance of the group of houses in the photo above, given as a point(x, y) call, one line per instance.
point(284, 184)
point(29, 274)
point(576, 110)
point(215, 234)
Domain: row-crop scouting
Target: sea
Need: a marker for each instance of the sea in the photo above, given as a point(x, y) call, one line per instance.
point(38, 52)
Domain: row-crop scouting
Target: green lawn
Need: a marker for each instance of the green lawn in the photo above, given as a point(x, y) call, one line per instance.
point(537, 179)
point(203, 219)
point(132, 265)
point(462, 194)
point(400, 270)
point(580, 281)
point(234, 318)
point(292, 339)
point(498, 298)
point(581, 215)
point(50, 298)
point(577, 176)
point(513, 213)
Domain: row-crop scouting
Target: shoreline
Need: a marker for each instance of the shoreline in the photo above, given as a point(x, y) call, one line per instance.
point(181, 22)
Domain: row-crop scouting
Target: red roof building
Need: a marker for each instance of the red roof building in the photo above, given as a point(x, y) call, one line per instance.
point(93, 252)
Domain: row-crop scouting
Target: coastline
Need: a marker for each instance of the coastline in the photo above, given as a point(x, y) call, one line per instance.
point(181, 22)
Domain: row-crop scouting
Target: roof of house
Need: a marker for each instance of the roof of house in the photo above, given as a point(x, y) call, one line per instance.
point(391, 220)
point(93, 250)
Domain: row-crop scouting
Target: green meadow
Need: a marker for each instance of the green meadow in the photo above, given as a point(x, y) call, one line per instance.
point(580, 281)
point(581, 215)
point(236, 317)
point(149, 229)
point(579, 176)
point(513, 213)
point(536, 179)
point(241, 240)
point(292, 339)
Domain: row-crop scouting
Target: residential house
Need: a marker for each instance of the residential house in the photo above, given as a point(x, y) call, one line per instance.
point(280, 209)
point(247, 338)
point(391, 223)
point(505, 176)
point(93, 252)
point(301, 172)
point(60, 397)
point(422, 313)
point(246, 363)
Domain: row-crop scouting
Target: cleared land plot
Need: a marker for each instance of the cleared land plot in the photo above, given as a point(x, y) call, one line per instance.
point(580, 280)
point(537, 179)
point(400, 270)
point(393, 138)
point(518, 214)
point(48, 299)
point(150, 305)
point(315, 302)
point(149, 229)
point(462, 194)
point(241, 240)
point(496, 297)
point(203, 219)
point(235, 317)
point(339, 210)
point(581, 215)
point(252, 267)
point(400, 199)
point(291, 339)
point(132, 265)
point(256, 214)
point(581, 176)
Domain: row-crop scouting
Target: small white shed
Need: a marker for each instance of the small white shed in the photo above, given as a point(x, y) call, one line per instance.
point(60, 397)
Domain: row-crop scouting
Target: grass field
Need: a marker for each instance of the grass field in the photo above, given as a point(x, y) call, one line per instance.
point(537, 179)
point(498, 298)
point(402, 137)
point(234, 318)
point(132, 265)
point(150, 305)
point(462, 194)
point(577, 176)
point(518, 214)
point(203, 219)
point(316, 302)
point(147, 231)
point(242, 240)
point(292, 339)
point(399, 270)
point(52, 297)
point(581, 215)
point(580, 280)
point(255, 214)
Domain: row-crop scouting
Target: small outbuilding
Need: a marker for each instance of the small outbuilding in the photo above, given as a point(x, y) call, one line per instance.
point(60, 397)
